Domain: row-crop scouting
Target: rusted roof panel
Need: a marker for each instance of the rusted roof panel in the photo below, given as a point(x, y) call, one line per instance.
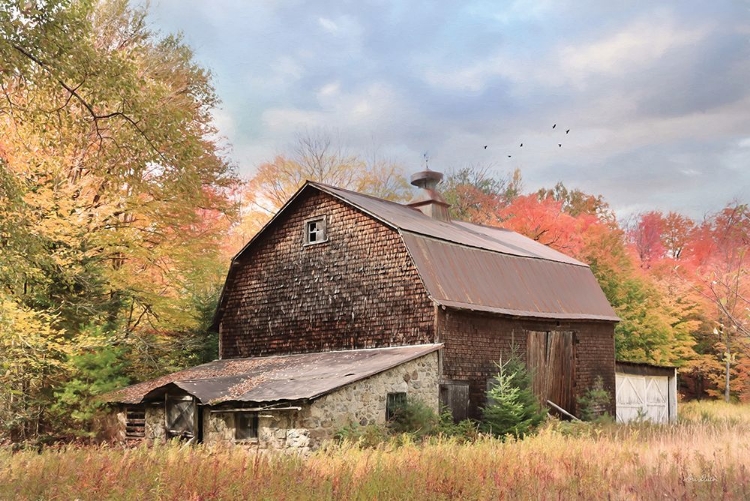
point(468, 234)
point(268, 379)
point(468, 278)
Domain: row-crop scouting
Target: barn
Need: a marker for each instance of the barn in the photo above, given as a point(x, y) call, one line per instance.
point(340, 272)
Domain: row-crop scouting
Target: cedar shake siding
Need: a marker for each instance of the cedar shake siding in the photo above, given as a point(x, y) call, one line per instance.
point(475, 342)
point(357, 289)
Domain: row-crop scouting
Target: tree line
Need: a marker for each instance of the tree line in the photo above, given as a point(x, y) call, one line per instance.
point(120, 209)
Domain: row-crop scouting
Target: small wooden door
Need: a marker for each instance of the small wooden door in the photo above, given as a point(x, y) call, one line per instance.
point(454, 395)
point(180, 415)
point(550, 358)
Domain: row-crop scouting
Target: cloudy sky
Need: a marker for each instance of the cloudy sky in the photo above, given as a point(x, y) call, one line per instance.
point(656, 95)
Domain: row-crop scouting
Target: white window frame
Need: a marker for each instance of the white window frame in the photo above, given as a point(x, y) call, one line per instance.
point(322, 230)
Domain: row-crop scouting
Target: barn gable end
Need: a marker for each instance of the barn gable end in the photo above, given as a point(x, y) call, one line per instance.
point(357, 289)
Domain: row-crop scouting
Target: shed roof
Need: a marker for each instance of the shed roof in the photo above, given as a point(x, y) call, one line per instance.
point(645, 369)
point(478, 268)
point(274, 378)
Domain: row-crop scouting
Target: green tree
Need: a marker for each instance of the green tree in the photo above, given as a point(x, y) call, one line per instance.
point(114, 191)
point(512, 408)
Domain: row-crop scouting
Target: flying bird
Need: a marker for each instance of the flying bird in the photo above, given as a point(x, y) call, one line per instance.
point(508, 156)
point(567, 131)
point(554, 126)
point(521, 145)
point(559, 145)
point(485, 146)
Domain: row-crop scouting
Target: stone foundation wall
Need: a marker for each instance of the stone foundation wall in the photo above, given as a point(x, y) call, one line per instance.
point(364, 402)
point(276, 430)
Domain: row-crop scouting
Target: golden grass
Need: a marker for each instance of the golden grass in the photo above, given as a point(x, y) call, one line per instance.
point(704, 456)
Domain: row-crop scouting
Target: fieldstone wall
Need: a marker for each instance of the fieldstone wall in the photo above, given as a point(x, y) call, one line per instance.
point(155, 422)
point(364, 402)
point(276, 430)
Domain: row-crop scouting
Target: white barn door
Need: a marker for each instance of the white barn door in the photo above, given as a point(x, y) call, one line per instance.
point(644, 397)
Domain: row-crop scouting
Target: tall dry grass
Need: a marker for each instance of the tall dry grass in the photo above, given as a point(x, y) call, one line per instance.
point(706, 455)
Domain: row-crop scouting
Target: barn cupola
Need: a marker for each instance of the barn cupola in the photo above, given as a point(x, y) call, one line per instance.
point(428, 200)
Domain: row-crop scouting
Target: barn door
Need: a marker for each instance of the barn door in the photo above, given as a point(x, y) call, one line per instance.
point(642, 397)
point(454, 396)
point(550, 358)
point(180, 415)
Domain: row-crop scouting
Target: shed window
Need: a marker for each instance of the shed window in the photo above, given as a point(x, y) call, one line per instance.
point(394, 402)
point(315, 231)
point(246, 426)
point(135, 422)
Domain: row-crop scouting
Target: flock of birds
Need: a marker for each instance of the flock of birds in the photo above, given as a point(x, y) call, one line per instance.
point(554, 126)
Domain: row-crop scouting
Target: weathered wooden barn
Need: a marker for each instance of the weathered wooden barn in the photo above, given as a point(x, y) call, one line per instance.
point(342, 272)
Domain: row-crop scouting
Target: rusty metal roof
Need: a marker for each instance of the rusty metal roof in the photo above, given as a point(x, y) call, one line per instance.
point(480, 280)
point(483, 268)
point(405, 218)
point(275, 378)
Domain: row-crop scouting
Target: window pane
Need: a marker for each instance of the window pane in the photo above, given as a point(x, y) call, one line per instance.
point(394, 401)
point(245, 425)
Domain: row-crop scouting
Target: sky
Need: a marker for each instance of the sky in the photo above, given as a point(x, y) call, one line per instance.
point(650, 101)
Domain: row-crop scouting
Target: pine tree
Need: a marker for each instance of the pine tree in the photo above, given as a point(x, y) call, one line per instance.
point(512, 408)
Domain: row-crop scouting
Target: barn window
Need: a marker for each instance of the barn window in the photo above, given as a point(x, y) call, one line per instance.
point(394, 402)
point(246, 426)
point(315, 231)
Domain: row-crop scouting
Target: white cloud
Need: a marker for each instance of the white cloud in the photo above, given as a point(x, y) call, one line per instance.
point(328, 25)
point(474, 77)
point(329, 90)
point(641, 44)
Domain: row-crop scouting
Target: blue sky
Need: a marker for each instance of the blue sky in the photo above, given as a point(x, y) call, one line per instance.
point(656, 95)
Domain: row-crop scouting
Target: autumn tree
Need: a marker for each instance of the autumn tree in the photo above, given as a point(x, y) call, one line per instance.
point(477, 195)
point(720, 260)
point(110, 170)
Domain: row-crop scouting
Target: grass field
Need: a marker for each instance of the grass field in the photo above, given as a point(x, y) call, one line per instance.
point(706, 455)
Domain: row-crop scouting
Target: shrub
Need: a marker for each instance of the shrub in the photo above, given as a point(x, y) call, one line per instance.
point(368, 436)
point(413, 417)
point(512, 407)
point(464, 431)
point(594, 403)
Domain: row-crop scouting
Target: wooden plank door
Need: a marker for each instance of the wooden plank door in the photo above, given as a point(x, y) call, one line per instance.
point(180, 415)
point(550, 359)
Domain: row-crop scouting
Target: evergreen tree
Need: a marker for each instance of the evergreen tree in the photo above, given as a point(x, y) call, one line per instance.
point(512, 407)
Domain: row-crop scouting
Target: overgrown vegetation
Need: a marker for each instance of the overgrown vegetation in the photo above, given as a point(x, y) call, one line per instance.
point(694, 459)
point(412, 421)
